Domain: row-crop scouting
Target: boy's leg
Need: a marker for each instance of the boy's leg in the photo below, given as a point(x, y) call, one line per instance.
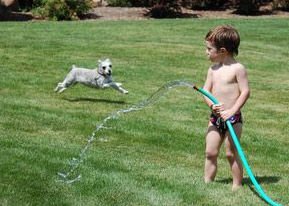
point(233, 156)
point(214, 141)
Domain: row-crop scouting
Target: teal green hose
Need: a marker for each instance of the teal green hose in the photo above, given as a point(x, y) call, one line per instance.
point(241, 154)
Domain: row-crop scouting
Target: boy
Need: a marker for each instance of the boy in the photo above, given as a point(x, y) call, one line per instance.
point(228, 83)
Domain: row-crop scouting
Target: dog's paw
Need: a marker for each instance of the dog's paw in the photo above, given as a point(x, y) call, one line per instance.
point(118, 84)
point(61, 90)
point(125, 92)
point(105, 86)
point(56, 88)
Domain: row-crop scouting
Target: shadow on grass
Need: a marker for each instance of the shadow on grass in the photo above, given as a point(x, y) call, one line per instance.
point(257, 194)
point(247, 180)
point(260, 180)
point(85, 99)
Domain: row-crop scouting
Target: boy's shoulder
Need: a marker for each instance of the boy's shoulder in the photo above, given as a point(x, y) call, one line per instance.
point(239, 68)
point(215, 66)
point(236, 66)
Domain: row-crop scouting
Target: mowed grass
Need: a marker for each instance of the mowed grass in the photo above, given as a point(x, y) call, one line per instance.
point(155, 156)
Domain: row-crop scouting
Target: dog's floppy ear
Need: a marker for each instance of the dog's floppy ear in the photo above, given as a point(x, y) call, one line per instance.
point(107, 60)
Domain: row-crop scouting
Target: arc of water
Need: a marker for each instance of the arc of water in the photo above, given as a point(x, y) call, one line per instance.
point(77, 161)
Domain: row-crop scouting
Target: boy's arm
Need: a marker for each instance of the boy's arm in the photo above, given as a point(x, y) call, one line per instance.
point(244, 88)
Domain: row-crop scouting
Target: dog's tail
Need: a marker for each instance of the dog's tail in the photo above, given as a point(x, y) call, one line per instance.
point(72, 67)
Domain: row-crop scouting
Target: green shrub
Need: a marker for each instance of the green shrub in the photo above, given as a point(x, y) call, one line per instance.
point(205, 4)
point(164, 11)
point(40, 12)
point(143, 3)
point(119, 3)
point(281, 4)
point(248, 7)
point(3, 9)
point(63, 9)
point(129, 3)
point(28, 5)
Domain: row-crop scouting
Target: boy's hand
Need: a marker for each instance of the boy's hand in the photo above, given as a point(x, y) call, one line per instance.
point(225, 115)
point(218, 108)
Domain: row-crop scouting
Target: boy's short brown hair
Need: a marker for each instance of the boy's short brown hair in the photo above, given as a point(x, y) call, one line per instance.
point(224, 36)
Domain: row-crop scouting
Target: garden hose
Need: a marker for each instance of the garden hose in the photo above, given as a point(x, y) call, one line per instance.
point(241, 154)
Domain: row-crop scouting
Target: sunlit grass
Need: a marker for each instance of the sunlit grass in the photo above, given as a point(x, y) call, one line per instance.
point(154, 156)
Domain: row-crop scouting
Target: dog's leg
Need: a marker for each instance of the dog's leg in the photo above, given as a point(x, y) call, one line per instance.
point(65, 85)
point(67, 82)
point(56, 88)
point(62, 90)
point(117, 87)
point(105, 86)
point(118, 84)
point(60, 87)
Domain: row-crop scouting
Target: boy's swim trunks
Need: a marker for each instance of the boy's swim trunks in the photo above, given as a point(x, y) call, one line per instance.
point(221, 125)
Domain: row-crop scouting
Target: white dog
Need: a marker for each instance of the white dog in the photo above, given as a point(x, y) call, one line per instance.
point(99, 77)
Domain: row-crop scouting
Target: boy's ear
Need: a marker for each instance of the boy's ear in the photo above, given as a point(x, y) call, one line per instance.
point(223, 49)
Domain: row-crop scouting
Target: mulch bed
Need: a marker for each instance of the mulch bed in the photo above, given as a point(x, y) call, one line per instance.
point(136, 13)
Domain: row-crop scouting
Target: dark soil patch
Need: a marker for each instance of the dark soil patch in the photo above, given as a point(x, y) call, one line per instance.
point(138, 13)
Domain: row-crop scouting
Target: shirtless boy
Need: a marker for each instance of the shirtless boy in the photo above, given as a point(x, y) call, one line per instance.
point(227, 81)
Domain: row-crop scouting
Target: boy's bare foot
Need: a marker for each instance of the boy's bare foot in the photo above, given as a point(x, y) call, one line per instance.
point(207, 180)
point(236, 187)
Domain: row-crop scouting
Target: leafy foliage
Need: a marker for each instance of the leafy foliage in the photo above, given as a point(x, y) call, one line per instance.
point(119, 3)
point(57, 9)
point(2, 7)
point(137, 3)
point(248, 7)
point(165, 9)
point(30, 4)
point(205, 4)
point(66, 9)
point(281, 4)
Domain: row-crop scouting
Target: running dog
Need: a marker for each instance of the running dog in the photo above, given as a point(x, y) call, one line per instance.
point(100, 77)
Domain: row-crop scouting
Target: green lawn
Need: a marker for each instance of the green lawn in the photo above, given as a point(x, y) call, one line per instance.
point(155, 156)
